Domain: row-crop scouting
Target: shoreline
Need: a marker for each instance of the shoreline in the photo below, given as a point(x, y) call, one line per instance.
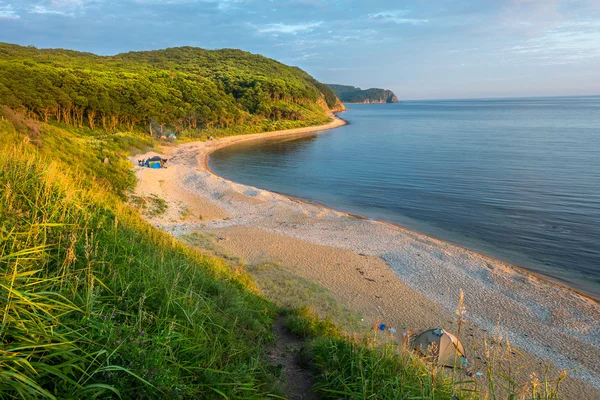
point(522, 270)
point(218, 144)
point(416, 274)
point(278, 134)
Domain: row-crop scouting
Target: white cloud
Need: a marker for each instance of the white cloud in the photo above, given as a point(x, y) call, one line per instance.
point(62, 7)
point(68, 3)
point(8, 12)
point(223, 5)
point(570, 42)
point(396, 17)
point(228, 5)
point(38, 9)
point(291, 29)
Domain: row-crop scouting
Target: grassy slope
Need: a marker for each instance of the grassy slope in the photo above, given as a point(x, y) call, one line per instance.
point(96, 302)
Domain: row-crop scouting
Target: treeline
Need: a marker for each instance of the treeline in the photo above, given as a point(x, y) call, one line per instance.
point(182, 88)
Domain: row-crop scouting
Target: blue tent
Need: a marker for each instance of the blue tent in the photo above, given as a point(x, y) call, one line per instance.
point(154, 162)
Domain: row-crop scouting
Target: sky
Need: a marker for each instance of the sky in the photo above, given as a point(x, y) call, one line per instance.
point(420, 49)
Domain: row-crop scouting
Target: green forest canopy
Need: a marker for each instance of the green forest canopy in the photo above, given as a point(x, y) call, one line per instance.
point(185, 88)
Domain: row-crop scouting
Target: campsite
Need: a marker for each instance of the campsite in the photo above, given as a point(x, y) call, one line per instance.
point(155, 162)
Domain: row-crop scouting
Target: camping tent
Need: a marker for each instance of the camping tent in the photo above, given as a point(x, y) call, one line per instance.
point(154, 162)
point(442, 346)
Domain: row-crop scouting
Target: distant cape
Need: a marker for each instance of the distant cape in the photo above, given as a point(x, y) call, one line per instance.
point(351, 94)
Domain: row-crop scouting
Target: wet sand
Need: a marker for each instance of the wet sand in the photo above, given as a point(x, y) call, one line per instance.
point(384, 272)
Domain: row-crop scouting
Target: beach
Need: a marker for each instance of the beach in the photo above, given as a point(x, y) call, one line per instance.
point(384, 272)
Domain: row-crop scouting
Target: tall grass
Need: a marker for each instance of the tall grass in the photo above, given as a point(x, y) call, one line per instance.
point(378, 366)
point(95, 301)
point(383, 366)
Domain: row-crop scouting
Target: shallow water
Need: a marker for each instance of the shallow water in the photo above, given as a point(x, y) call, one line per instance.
point(516, 179)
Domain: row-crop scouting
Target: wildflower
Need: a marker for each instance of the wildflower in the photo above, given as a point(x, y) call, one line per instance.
point(382, 327)
point(393, 330)
point(479, 374)
point(141, 333)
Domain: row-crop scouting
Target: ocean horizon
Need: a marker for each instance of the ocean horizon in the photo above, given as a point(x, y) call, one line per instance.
point(517, 179)
point(484, 98)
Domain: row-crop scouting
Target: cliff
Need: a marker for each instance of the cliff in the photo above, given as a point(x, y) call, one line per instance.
point(351, 94)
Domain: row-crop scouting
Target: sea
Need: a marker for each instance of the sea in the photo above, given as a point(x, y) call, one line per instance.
point(514, 179)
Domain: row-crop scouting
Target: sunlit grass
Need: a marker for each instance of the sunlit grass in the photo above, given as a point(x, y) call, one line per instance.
point(95, 300)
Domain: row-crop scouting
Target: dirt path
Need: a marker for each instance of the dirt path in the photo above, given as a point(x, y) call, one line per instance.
point(297, 382)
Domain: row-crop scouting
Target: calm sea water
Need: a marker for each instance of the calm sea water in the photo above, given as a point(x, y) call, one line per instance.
point(516, 179)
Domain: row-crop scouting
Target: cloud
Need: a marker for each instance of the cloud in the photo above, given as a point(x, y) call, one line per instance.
point(62, 7)
point(8, 12)
point(291, 29)
point(570, 42)
point(534, 17)
point(575, 42)
point(396, 17)
point(68, 3)
point(223, 5)
point(38, 9)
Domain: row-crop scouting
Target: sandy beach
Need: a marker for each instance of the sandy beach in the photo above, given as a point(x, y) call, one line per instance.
point(382, 271)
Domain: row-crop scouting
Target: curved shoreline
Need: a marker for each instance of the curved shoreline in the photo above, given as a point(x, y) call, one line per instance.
point(547, 320)
point(218, 144)
point(204, 158)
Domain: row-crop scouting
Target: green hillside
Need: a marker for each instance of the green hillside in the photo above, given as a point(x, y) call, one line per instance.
point(351, 94)
point(185, 89)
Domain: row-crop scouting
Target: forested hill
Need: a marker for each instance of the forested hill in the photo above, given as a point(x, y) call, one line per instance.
point(351, 94)
point(186, 89)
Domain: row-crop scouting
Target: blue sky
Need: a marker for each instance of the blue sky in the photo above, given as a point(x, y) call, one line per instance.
point(419, 49)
